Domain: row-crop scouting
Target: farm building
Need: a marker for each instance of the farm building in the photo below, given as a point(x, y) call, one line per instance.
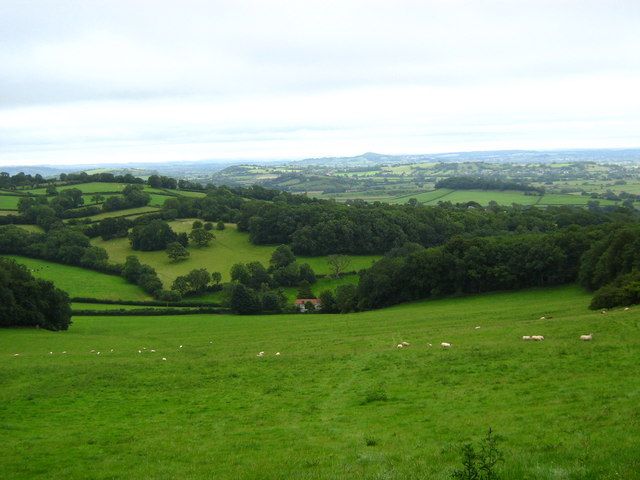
point(301, 303)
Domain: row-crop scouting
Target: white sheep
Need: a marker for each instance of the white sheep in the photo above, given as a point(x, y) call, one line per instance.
point(526, 337)
point(626, 308)
point(429, 345)
point(537, 338)
point(478, 327)
point(603, 312)
point(277, 354)
point(260, 354)
point(405, 344)
point(586, 338)
point(164, 359)
point(543, 318)
point(153, 351)
point(400, 345)
point(445, 345)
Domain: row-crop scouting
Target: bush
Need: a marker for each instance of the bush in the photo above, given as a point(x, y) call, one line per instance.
point(481, 465)
point(376, 393)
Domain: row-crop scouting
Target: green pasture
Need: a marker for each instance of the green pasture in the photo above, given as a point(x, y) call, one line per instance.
point(80, 282)
point(94, 187)
point(9, 202)
point(229, 247)
point(340, 402)
point(186, 193)
point(124, 213)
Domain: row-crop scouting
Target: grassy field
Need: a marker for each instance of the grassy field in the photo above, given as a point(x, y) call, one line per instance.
point(80, 282)
point(124, 213)
point(9, 202)
point(94, 187)
point(483, 197)
point(340, 402)
point(228, 248)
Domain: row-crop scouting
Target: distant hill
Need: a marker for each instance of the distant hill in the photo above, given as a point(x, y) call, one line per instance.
point(507, 156)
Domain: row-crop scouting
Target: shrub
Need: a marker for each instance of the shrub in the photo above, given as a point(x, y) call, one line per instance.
point(376, 393)
point(481, 465)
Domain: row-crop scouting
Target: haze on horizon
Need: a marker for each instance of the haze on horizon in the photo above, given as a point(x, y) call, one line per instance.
point(151, 81)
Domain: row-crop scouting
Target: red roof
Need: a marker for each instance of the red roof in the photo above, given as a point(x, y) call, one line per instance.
point(302, 301)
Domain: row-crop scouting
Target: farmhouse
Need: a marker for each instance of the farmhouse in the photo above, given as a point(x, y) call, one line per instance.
point(301, 303)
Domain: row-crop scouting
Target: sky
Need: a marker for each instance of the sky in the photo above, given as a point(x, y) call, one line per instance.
point(90, 81)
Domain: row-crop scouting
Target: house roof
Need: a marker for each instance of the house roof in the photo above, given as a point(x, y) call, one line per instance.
point(302, 301)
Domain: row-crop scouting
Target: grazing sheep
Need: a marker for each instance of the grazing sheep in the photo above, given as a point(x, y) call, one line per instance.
point(478, 327)
point(180, 346)
point(277, 354)
point(98, 353)
point(139, 351)
point(626, 308)
point(16, 354)
point(586, 338)
point(164, 358)
point(50, 353)
point(526, 337)
point(112, 350)
point(260, 354)
point(537, 338)
point(405, 344)
point(400, 345)
point(603, 312)
point(64, 351)
point(429, 345)
point(153, 351)
point(543, 318)
point(445, 345)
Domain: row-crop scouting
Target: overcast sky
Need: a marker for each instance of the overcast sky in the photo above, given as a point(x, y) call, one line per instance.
point(92, 81)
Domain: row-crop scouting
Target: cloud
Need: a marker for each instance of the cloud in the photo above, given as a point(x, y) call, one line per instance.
point(212, 79)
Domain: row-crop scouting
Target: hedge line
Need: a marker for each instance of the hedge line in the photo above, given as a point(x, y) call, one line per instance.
point(145, 303)
point(148, 312)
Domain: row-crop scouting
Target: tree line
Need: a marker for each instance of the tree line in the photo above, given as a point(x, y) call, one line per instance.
point(26, 301)
point(486, 183)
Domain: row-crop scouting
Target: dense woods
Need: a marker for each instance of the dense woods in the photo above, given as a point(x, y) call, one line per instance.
point(28, 301)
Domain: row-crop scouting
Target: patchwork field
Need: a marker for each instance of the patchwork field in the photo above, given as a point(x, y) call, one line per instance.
point(228, 248)
point(341, 401)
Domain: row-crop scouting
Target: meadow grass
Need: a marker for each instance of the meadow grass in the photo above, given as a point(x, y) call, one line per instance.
point(184, 193)
point(95, 187)
point(130, 212)
point(9, 202)
point(340, 402)
point(80, 282)
point(560, 199)
point(229, 247)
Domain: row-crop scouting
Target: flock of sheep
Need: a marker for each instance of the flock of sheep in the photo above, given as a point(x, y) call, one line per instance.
point(444, 345)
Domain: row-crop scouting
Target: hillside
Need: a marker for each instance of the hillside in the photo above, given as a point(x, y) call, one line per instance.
point(229, 247)
point(341, 401)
